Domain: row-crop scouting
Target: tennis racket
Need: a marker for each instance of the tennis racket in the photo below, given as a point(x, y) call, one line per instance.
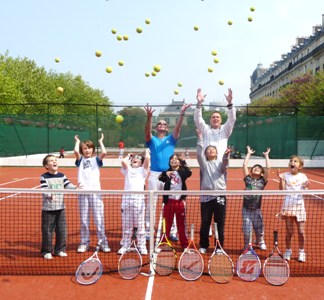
point(164, 256)
point(276, 268)
point(90, 270)
point(130, 263)
point(220, 265)
point(248, 266)
point(191, 263)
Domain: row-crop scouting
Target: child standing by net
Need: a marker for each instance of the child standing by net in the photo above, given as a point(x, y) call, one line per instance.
point(255, 179)
point(135, 168)
point(53, 208)
point(174, 179)
point(89, 178)
point(293, 208)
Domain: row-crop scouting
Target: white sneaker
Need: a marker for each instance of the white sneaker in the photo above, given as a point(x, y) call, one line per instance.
point(287, 255)
point(48, 256)
point(82, 248)
point(302, 256)
point(202, 250)
point(122, 250)
point(143, 251)
point(62, 254)
point(105, 248)
point(263, 246)
point(210, 231)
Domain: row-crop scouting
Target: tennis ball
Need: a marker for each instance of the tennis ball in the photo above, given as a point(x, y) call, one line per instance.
point(216, 60)
point(57, 60)
point(121, 63)
point(157, 68)
point(176, 92)
point(148, 21)
point(210, 70)
point(119, 37)
point(252, 8)
point(221, 82)
point(250, 19)
point(125, 37)
point(147, 74)
point(153, 73)
point(99, 129)
point(139, 30)
point(59, 90)
point(119, 118)
point(113, 31)
point(179, 84)
point(109, 69)
point(196, 28)
point(229, 22)
point(214, 52)
point(98, 53)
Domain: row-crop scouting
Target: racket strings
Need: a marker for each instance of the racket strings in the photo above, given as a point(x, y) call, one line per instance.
point(276, 270)
point(248, 267)
point(221, 268)
point(89, 272)
point(191, 265)
point(130, 264)
point(164, 260)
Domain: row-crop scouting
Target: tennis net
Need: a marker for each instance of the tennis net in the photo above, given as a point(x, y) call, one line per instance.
point(20, 226)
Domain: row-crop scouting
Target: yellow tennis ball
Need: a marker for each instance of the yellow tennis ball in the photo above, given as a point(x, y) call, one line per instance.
point(148, 21)
point(216, 60)
point(250, 19)
point(176, 92)
point(119, 118)
point(210, 70)
point(139, 30)
point(179, 84)
point(196, 28)
point(98, 53)
point(221, 82)
point(121, 63)
point(109, 69)
point(125, 37)
point(229, 22)
point(214, 52)
point(119, 37)
point(147, 74)
point(113, 31)
point(153, 73)
point(157, 68)
point(59, 90)
point(57, 60)
point(252, 8)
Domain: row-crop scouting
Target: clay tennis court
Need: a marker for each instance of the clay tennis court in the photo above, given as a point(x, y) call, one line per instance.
point(112, 286)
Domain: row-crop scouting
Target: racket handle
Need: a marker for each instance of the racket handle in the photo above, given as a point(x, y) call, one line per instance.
point(275, 237)
point(163, 225)
point(216, 231)
point(192, 231)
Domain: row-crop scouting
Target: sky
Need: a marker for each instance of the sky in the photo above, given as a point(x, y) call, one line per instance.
point(74, 30)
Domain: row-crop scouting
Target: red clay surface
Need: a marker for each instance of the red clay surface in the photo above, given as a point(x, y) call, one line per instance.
point(113, 287)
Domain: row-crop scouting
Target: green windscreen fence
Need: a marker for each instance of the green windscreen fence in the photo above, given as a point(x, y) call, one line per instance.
point(47, 128)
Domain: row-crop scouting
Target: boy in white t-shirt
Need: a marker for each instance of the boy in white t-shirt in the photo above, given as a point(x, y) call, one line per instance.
point(135, 168)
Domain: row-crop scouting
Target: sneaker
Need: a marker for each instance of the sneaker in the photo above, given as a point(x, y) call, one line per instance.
point(302, 256)
point(210, 231)
point(143, 251)
point(287, 255)
point(61, 254)
point(202, 250)
point(122, 250)
point(173, 238)
point(105, 248)
point(48, 256)
point(263, 246)
point(82, 248)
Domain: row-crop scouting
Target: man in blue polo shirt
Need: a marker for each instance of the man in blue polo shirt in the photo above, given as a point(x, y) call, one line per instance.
point(162, 147)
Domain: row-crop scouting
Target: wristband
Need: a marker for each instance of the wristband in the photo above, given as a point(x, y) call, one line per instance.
point(198, 106)
point(229, 106)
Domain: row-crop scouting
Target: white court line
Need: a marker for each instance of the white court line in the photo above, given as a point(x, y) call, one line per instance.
point(149, 289)
point(8, 182)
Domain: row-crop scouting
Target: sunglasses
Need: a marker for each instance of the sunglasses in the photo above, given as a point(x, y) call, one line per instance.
point(137, 157)
point(161, 123)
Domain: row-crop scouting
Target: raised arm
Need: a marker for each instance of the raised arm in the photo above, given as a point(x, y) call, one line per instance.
point(176, 130)
point(267, 162)
point(282, 183)
point(102, 148)
point(147, 159)
point(77, 147)
point(249, 151)
point(198, 119)
point(148, 126)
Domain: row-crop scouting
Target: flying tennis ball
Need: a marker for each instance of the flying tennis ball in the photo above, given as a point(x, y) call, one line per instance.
point(121, 63)
point(139, 30)
point(179, 84)
point(176, 92)
point(57, 60)
point(210, 70)
point(125, 37)
point(229, 22)
point(157, 68)
point(148, 21)
point(119, 118)
point(214, 52)
point(221, 82)
point(147, 74)
point(99, 129)
point(119, 37)
point(109, 69)
point(113, 31)
point(153, 73)
point(252, 8)
point(196, 28)
point(98, 53)
point(216, 60)
point(59, 90)
point(250, 19)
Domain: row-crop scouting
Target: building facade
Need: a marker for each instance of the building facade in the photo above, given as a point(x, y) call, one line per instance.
point(306, 56)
